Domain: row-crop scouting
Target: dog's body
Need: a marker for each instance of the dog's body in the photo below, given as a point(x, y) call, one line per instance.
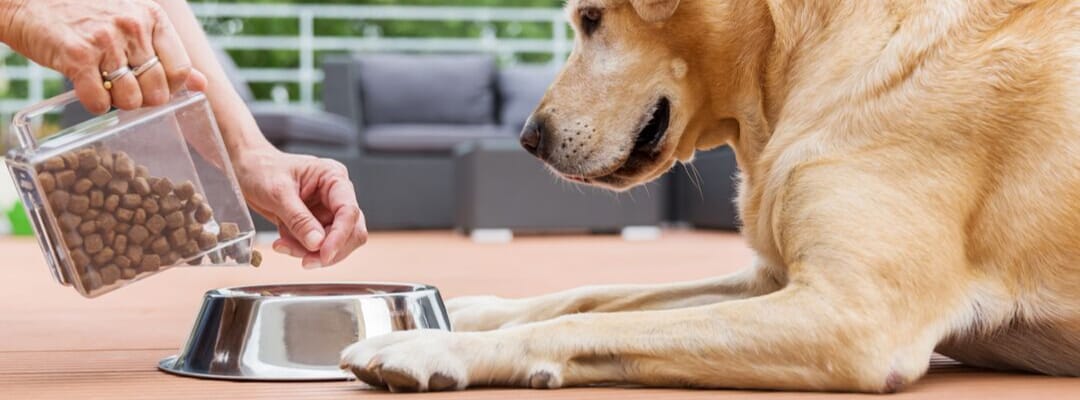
point(911, 182)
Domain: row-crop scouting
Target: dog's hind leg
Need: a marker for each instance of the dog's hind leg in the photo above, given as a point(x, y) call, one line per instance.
point(481, 313)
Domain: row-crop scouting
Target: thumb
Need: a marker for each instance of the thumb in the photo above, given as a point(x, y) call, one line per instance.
point(298, 220)
point(196, 81)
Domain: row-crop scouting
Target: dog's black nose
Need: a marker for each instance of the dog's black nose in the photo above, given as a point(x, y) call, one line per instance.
point(532, 136)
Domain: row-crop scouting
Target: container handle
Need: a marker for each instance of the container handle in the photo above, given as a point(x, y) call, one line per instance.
point(21, 124)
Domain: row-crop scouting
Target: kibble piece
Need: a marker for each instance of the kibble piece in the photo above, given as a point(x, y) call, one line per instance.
point(73, 239)
point(108, 237)
point(97, 199)
point(195, 261)
point(80, 259)
point(162, 187)
point(71, 160)
point(155, 224)
point(215, 258)
point(189, 249)
point(160, 245)
point(185, 190)
point(79, 204)
point(107, 160)
point(106, 222)
point(91, 214)
point(207, 241)
point(194, 203)
point(100, 176)
point(131, 201)
point(104, 256)
point(124, 214)
point(142, 172)
point(88, 227)
point(229, 231)
point(203, 214)
point(140, 186)
point(150, 262)
point(82, 186)
point(194, 229)
point(47, 181)
point(120, 244)
point(88, 159)
point(70, 222)
point(256, 258)
point(118, 186)
point(110, 274)
point(112, 203)
point(91, 280)
point(170, 258)
point(151, 206)
point(122, 227)
point(54, 164)
point(65, 178)
point(59, 200)
point(138, 234)
point(135, 253)
point(123, 167)
point(175, 220)
point(170, 203)
point(178, 237)
point(93, 244)
point(140, 217)
point(128, 273)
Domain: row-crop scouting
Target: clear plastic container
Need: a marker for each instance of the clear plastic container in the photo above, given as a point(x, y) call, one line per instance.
point(128, 194)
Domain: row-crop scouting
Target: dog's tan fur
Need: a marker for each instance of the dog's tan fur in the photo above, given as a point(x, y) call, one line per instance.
point(911, 182)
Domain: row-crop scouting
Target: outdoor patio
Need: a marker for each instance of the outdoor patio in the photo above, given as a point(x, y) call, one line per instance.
point(57, 345)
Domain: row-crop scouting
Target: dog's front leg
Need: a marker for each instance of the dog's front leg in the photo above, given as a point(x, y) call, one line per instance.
point(481, 313)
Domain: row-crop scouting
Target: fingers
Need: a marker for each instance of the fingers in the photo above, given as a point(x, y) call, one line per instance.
point(89, 90)
point(298, 220)
point(170, 50)
point(348, 230)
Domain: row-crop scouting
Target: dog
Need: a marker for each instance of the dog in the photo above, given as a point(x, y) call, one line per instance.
point(910, 183)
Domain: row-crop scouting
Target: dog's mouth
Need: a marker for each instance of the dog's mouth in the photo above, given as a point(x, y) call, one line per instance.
point(648, 144)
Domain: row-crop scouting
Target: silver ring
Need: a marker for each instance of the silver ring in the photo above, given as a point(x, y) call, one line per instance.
point(153, 61)
point(112, 76)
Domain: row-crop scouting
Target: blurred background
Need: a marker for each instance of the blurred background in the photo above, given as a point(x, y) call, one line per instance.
point(423, 101)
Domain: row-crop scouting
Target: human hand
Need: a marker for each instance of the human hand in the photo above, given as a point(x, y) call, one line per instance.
point(84, 39)
point(310, 199)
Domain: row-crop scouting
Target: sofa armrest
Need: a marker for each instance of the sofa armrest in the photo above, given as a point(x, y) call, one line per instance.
point(341, 88)
point(317, 133)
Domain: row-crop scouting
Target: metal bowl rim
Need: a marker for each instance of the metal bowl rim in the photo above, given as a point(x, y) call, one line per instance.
point(246, 291)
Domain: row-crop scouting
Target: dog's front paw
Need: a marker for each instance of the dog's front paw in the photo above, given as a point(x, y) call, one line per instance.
point(408, 361)
point(485, 313)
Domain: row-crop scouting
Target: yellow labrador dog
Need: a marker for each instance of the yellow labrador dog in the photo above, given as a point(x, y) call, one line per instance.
point(911, 183)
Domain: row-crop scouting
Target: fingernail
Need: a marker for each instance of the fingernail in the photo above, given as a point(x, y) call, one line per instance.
point(313, 264)
point(296, 253)
point(282, 249)
point(330, 256)
point(313, 239)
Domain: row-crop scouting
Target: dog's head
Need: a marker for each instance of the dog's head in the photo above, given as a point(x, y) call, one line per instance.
point(617, 115)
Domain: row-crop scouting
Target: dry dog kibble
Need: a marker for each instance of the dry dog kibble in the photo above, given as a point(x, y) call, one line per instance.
point(123, 167)
point(190, 248)
point(138, 234)
point(112, 203)
point(97, 199)
point(256, 258)
point(140, 217)
point(110, 274)
point(118, 186)
point(128, 273)
point(79, 204)
point(107, 160)
point(100, 176)
point(47, 181)
point(124, 214)
point(194, 203)
point(150, 262)
point(54, 164)
point(229, 231)
point(122, 261)
point(104, 256)
point(162, 187)
point(82, 186)
point(140, 186)
point(151, 206)
point(73, 239)
point(135, 253)
point(142, 172)
point(160, 245)
point(71, 160)
point(88, 159)
point(170, 203)
point(88, 227)
point(120, 244)
point(70, 222)
point(80, 258)
point(59, 200)
point(203, 213)
point(175, 220)
point(178, 238)
point(155, 224)
point(106, 222)
point(206, 241)
point(93, 244)
point(195, 261)
point(130, 201)
point(91, 214)
point(170, 258)
point(66, 178)
point(122, 227)
point(185, 190)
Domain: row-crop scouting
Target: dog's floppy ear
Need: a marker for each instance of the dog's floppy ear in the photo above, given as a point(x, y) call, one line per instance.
point(655, 10)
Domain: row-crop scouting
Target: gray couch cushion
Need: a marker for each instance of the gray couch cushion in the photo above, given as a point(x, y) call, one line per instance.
point(290, 126)
point(520, 91)
point(427, 89)
point(428, 137)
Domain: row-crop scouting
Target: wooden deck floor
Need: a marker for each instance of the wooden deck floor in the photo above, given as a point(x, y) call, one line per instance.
point(55, 344)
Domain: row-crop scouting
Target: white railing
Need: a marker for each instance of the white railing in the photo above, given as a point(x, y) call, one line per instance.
point(307, 42)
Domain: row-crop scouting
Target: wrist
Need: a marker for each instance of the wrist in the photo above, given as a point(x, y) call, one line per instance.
point(9, 11)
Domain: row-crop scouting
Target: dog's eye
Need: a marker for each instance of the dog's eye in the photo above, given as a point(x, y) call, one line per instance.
point(590, 20)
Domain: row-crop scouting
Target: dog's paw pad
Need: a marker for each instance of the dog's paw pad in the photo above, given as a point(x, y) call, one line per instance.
point(439, 383)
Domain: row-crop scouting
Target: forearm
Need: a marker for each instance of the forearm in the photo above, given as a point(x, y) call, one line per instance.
point(238, 128)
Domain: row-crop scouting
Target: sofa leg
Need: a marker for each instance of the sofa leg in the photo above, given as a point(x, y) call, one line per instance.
point(489, 236)
point(640, 233)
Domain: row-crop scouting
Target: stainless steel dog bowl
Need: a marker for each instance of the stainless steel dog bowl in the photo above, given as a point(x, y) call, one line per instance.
point(297, 332)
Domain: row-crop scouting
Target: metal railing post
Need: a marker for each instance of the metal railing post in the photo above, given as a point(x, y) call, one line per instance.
point(307, 58)
point(558, 37)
